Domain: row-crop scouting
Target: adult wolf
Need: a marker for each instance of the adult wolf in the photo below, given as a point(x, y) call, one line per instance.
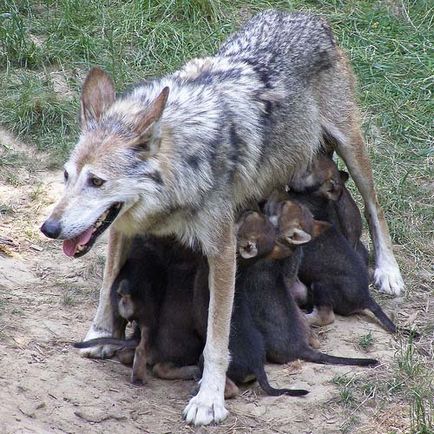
point(180, 154)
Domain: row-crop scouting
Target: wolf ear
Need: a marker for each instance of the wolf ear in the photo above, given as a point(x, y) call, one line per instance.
point(333, 190)
point(97, 95)
point(147, 127)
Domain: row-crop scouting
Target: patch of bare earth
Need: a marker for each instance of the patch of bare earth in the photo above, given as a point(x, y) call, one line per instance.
point(47, 301)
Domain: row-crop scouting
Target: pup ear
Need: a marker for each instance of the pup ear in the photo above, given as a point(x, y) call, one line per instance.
point(344, 176)
point(97, 95)
point(297, 236)
point(248, 252)
point(319, 227)
point(147, 127)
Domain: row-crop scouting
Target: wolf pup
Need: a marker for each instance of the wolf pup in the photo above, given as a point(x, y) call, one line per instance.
point(137, 295)
point(178, 154)
point(155, 289)
point(274, 311)
point(331, 200)
point(255, 241)
point(335, 274)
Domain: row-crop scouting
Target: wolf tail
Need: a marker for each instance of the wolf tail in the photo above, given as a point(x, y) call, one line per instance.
point(261, 376)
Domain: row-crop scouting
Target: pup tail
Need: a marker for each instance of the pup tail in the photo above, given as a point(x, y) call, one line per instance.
point(312, 355)
point(261, 376)
point(122, 343)
point(375, 308)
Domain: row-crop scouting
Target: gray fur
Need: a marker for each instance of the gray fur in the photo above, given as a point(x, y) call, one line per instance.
point(240, 122)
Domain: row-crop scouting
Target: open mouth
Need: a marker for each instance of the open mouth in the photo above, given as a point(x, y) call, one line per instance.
point(80, 245)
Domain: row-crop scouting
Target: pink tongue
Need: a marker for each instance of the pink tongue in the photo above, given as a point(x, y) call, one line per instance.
point(70, 246)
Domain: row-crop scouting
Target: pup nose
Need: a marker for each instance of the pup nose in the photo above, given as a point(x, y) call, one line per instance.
point(51, 228)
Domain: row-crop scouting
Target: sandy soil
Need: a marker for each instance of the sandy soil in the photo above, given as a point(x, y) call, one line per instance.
point(48, 300)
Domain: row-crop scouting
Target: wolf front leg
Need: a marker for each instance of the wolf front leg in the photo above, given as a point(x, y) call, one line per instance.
point(104, 322)
point(208, 405)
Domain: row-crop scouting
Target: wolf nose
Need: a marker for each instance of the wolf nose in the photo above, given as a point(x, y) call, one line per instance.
point(51, 228)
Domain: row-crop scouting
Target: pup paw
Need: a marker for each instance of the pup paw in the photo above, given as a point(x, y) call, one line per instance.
point(100, 351)
point(205, 408)
point(388, 279)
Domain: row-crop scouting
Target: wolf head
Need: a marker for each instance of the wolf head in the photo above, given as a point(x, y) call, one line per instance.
point(114, 167)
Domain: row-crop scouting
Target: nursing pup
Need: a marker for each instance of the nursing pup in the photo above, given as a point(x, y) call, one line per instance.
point(177, 155)
point(255, 241)
point(332, 201)
point(137, 294)
point(274, 311)
point(335, 274)
point(155, 289)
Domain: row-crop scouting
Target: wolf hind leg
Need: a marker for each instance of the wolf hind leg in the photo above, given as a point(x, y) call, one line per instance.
point(352, 149)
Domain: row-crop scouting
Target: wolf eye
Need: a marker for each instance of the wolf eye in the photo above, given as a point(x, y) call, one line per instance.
point(96, 182)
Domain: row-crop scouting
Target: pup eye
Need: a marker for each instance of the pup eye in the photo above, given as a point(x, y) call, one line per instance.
point(65, 175)
point(94, 181)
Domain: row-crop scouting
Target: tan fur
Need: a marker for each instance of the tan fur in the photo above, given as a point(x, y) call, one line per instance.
point(321, 317)
point(168, 371)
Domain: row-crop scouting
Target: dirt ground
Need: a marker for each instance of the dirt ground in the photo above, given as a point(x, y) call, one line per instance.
point(47, 301)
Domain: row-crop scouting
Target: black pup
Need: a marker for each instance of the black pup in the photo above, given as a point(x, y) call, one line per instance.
point(247, 347)
point(325, 181)
point(336, 275)
point(155, 289)
point(274, 311)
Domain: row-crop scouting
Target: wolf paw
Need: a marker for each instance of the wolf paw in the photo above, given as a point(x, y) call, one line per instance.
point(388, 279)
point(205, 408)
point(100, 351)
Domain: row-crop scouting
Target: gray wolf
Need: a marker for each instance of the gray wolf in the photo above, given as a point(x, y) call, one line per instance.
point(179, 154)
point(256, 237)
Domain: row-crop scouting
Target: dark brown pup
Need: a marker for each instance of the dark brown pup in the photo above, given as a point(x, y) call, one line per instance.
point(272, 306)
point(324, 180)
point(335, 274)
point(255, 241)
point(155, 289)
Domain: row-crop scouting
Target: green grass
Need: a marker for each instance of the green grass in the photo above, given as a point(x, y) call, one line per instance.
point(366, 341)
point(409, 380)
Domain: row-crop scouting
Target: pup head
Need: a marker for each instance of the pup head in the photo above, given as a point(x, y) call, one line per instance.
point(322, 179)
point(126, 305)
point(295, 224)
point(255, 235)
point(112, 167)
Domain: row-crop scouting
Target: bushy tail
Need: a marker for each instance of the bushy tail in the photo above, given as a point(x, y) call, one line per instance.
point(312, 355)
point(261, 376)
point(375, 308)
point(121, 343)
